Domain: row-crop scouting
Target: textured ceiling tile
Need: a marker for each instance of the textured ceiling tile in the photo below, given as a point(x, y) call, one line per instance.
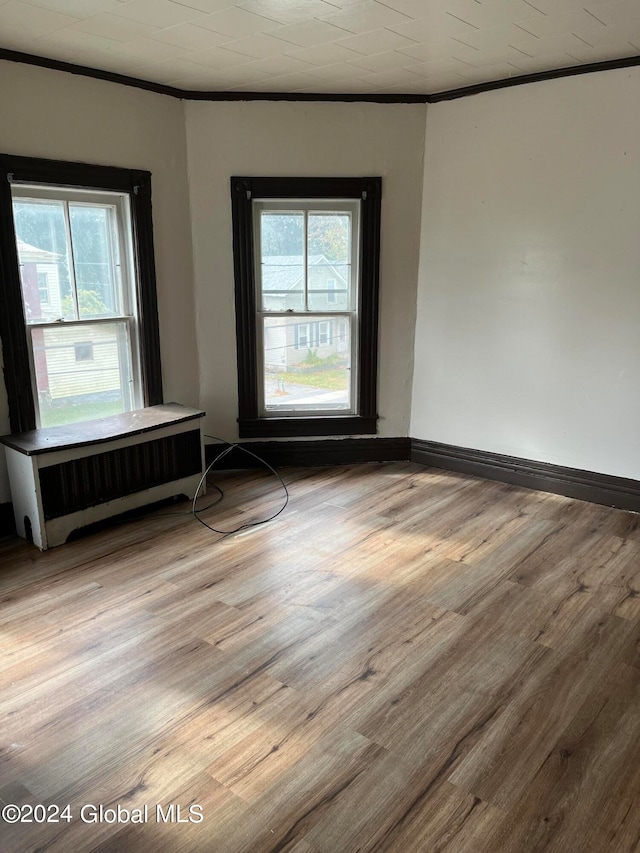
point(207, 6)
point(112, 27)
point(384, 61)
point(498, 37)
point(551, 25)
point(17, 38)
point(433, 28)
point(340, 71)
point(309, 34)
point(157, 13)
point(323, 43)
point(149, 50)
point(324, 54)
point(76, 41)
point(288, 83)
point(506, 11)
point(553, 7)
point(583, 54)
point(278, 66)
point(76, 8)
point(38, 21)
point(495, 56)
point(475, 14)
point(369, 16)
point(612, 35)
point(237, 23)
point(615, 13)
point(410, 8)
point(259, 47)
point(352, 4)
point(233, 77)
point(376, 41)
point(218, 57)
point(183, 68)
point(433, 68)
point(438, 50)
point(546, 63)
point(398, 77)
point(286, 12)
point(189, 37)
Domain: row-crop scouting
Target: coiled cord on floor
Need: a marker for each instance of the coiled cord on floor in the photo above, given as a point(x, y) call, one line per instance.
point(195, 511)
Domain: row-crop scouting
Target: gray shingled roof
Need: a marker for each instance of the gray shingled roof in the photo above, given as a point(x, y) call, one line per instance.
point(284, 272)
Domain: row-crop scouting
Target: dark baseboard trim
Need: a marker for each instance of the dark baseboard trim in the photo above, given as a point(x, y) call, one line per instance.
point(589, 486)
point(194, 95)
point(294, 454)
point(7, 521)
point(571, 482)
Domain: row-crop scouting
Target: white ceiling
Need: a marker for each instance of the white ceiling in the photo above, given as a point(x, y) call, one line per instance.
point(323, 46)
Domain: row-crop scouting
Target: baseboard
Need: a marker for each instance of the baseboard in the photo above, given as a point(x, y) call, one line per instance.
point(571, 482)
point(604, 489)
point(294, 454)
point(7, 521)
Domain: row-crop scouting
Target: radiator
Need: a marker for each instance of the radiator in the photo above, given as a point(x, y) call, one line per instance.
point(63, 478)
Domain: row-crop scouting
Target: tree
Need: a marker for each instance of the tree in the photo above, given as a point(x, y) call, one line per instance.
point(89, 303)
point(328, 235)
point(282, 235)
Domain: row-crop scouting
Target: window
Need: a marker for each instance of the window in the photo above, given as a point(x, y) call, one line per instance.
point(306, 263)
point(323, 334)
point(301, 336)
point(84, 352)
point(43, 288)
point(78, 290)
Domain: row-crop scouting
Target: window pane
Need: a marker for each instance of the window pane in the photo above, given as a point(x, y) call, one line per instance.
point(96, 259)
point(282, 261)
point(41, 239)
point(82, 372)
point(329, 261)
point(307, 361)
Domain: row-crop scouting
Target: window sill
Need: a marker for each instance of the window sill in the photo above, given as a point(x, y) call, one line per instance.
point(305, 426)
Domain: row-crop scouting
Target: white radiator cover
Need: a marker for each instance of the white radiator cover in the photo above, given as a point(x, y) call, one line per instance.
point(64, 478)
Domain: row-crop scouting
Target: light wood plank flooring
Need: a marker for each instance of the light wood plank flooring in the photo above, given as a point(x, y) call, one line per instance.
point(405, 660)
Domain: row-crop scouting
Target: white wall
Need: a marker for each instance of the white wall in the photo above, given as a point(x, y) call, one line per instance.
point(529, 286)
point(304, 139)
point(528, 323)
point(61, 116)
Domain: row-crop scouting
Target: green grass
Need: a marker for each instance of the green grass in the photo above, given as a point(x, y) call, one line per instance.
point(57, 414)
point(329, 380)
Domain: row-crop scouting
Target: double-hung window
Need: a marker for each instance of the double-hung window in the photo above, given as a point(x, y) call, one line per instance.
point(78, 277)
point(306, 262)
point(298, 244)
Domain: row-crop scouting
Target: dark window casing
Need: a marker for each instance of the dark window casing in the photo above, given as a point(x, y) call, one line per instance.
point(30, 170)
point(244, 190)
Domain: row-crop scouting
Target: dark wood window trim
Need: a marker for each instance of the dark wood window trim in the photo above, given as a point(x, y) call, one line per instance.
point(137, 183)
point(369, 191)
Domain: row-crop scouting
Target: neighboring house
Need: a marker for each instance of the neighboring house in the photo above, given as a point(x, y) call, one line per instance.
point(288, 340)
point(70, 361)
point(40, 282)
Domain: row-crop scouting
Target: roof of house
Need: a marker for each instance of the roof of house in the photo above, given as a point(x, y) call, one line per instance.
point(285, 272)
point(32, 254)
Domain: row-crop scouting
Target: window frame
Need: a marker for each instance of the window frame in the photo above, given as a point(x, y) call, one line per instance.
point(13, 326)
point(368, 191)
point(315, 317)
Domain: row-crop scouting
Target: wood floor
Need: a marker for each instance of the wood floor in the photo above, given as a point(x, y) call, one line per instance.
point(405, 660)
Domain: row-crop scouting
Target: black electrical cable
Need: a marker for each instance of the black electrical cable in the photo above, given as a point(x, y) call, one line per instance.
point(195, 511)
point(221, 455)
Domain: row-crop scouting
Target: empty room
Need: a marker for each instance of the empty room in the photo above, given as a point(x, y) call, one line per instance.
point(319, 461)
